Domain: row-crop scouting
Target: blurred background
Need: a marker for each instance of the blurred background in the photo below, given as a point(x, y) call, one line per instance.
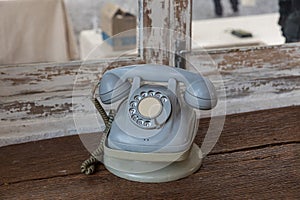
point(83, 12)
point(63, 30)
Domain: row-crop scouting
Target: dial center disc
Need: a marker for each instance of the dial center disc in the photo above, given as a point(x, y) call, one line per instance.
point(150, 107)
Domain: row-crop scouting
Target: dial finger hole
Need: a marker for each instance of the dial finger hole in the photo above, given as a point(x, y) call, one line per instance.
point(137, 97)
point(140, 122)
point(147, 123)
point(133, 104)
point(144, 94)
point(151, 93)
point(158, 94)
point(164, 99)
point(134, 117)
point(132, 111)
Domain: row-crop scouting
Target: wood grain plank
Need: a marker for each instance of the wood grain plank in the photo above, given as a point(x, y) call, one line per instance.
point(63, 156)
point(42, 159)
point(38, 101)
point(267, 173)
point(40, 78)
point(254, 129)
point(254, 79)
point(248, 68)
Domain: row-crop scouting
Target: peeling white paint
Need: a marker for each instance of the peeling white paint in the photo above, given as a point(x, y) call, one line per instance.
point(167, 26)
point(262, 84)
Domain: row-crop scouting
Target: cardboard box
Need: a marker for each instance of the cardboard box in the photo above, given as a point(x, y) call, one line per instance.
point(115, 24)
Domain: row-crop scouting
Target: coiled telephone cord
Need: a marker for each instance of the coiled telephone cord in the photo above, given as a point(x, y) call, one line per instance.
point(89, 165)
point(101, 111)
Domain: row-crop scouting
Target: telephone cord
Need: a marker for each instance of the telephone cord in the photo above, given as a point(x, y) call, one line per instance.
point(88, 166)
point(98, 105)
point(101, 111)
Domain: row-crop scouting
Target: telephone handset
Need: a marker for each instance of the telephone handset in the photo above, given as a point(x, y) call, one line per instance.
point(154, 124)
point(200, 92)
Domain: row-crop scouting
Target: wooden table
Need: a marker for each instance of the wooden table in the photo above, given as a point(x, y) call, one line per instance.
point(256, 157)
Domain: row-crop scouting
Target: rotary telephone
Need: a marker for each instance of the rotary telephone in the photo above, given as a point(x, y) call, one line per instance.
point(151, 136)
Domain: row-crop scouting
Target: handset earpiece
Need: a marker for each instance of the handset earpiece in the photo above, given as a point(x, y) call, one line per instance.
point(113, 88)
point(201, 94)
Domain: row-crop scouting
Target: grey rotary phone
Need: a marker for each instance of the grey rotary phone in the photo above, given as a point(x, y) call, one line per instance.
point(151, 136)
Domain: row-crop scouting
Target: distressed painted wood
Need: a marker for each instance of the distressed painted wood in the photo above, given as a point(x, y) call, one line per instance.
point(253, 78)
point(31, 79)
point(40, 101)
point(253, 159)
point(166, 29)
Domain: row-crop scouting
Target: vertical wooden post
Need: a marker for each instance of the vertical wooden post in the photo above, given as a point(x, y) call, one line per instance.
point(165, 28)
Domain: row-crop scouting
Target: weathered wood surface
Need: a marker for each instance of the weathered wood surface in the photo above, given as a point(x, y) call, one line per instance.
point(159, 19)
point(255, 158)
point(39, 101)
point(253, 78)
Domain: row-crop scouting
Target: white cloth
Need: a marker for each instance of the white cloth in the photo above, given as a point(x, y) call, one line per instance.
point(35, 31)
point(92, 47)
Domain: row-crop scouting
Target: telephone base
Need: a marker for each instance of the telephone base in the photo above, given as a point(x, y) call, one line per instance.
point(167, 172)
